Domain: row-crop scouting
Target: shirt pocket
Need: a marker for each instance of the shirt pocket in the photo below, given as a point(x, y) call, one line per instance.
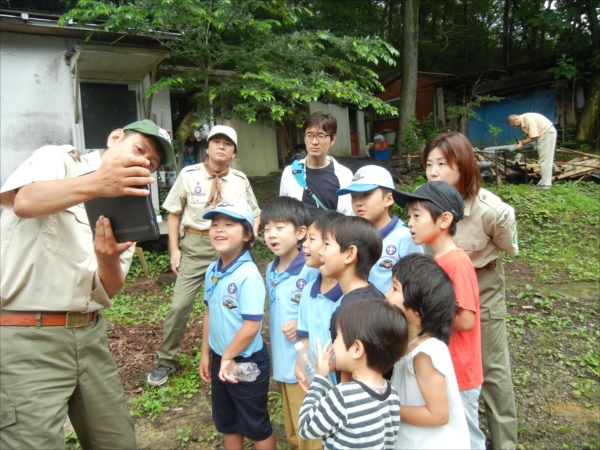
point(68, 234)
point(196, 204)
point(473, 245)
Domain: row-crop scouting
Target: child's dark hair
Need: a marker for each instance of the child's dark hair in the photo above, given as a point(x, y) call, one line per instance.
point(428, 291)
point(248, 229)
point(380, 326)
point(364, 235)
point(323, 219)
point(434, 210)
point(285, 209)
point(385, 191)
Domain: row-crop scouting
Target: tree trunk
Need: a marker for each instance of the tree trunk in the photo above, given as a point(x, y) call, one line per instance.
point(505, 34)
point(591, 111)
point(408, 94)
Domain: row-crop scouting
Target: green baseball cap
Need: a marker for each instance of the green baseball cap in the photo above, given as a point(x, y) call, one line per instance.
point(151, 129)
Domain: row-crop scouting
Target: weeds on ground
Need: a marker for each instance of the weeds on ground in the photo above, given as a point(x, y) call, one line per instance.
point(559, 229)
point(130, 309)
point(177, 390)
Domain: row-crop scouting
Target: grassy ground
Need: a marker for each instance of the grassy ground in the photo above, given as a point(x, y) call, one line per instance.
point(552, 327)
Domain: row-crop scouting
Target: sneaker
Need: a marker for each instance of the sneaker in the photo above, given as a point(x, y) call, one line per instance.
point(159, 375)
point(542, 186)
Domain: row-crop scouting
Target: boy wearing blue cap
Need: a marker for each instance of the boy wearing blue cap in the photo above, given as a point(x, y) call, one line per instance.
point(284, 222)
point(371, 191)
point(234, 297)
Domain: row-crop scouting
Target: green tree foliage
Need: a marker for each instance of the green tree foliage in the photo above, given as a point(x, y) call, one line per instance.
point(243, 58)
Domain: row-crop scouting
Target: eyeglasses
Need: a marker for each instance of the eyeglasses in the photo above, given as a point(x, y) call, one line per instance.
point(320, 136)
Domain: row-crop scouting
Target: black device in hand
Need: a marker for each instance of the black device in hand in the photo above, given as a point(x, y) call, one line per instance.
point(132, 218)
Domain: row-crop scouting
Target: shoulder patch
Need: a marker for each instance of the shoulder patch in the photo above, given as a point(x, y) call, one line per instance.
point(193, 168)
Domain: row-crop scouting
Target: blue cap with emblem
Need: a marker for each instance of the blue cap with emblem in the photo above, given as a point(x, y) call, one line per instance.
point(368, 178)
point(233, 207)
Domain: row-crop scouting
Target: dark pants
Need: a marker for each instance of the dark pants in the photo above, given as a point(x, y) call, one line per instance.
point(242, 408)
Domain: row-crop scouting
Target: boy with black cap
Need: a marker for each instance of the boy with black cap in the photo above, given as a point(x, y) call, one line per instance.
point(433, 210)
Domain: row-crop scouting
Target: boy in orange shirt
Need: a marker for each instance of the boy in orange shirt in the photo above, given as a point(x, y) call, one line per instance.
point(433, 210)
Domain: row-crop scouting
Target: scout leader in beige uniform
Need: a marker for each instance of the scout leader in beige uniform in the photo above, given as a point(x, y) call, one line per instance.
point(538, 127)
point(197, 190)
point(54, 359)
point(487, 229)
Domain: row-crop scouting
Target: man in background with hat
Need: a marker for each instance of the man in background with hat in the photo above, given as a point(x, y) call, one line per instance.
point(197, 189)
point(54, 358)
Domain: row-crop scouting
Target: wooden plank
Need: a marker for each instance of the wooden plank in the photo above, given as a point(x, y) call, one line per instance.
point(574, 173)
point(575, 152)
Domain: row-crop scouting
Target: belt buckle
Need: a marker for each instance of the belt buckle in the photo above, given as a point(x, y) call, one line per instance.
point(76, 320)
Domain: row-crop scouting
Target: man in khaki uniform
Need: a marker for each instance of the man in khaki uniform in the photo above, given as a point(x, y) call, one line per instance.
point(197, 190)
point(538, 127)
point(54, 359)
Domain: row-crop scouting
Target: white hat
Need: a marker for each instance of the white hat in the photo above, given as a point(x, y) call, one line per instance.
point(368, 178)
point(223, 129)
point(237, 208)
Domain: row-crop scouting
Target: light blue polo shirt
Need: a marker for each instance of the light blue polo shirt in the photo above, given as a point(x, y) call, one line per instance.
point(285, 291)
point(315, 314)
point(397, 243)
point(233, 293)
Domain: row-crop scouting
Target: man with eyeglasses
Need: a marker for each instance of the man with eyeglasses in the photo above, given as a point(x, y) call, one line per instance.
point(316, 179)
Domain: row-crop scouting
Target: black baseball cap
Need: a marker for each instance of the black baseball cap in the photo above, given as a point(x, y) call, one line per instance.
point(440, 193)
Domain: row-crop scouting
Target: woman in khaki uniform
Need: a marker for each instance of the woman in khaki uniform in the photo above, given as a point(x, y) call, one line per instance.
point(487, 229)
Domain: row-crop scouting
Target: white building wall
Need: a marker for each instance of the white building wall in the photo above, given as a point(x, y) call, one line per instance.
point(36, 97)
point(342, 146)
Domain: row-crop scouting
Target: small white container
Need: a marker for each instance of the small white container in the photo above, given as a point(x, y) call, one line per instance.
point(171, 175)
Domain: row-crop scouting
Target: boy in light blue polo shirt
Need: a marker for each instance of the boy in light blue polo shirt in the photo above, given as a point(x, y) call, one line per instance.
point(321, 297)
point(371, 191)
point(284, 221)
point(235, 300)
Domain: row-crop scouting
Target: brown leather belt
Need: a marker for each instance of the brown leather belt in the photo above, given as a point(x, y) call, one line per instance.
point(194, 231)
point(67, 320)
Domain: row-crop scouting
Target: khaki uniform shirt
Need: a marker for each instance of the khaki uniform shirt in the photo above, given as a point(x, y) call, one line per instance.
point(534, 124)
point(488, 228)
point(192, 187)
point(48, 263)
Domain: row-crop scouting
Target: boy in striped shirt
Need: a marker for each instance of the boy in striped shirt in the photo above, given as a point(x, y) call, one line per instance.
point(364, 412)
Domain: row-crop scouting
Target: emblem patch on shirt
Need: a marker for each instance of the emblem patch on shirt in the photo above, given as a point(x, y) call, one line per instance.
point(296, 298)
point(300, 283)
point(232, 288)
point(197, 189)
point(504, 220)
point(390, 249)
point(387, 264)
point(229, 304)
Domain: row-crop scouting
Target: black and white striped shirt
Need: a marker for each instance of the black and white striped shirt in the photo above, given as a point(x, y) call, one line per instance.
point(350, 415)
